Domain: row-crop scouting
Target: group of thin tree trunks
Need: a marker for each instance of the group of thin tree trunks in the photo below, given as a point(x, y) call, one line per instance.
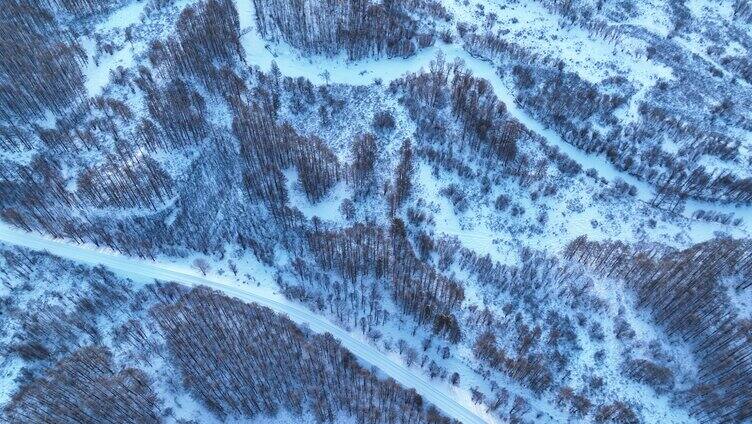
point(570, 104)
point(124, 197)
point(361, 28)
point(237, 359)
point(684, 293)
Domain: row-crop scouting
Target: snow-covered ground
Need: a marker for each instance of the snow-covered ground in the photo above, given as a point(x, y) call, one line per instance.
point(481, 229)
point(323, 70)
point(453, 404)
point(339, 70)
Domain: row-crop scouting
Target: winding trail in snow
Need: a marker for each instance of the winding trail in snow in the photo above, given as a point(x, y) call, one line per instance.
point(323, 70)
point(148, 271)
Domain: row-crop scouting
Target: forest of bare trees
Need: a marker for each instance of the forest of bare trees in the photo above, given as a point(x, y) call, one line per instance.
point(684, 294)
point(341, 192)
point(207, 34)
point(269, 364)
point(361, 28)
point(570, 104)
point(485, 125)
point(237, 359)
point(41, 70)
point(85, 387)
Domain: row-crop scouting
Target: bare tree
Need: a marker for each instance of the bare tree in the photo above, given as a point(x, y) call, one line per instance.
point(202, 265)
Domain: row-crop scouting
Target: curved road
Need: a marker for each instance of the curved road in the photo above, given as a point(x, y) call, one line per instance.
point(147, 271)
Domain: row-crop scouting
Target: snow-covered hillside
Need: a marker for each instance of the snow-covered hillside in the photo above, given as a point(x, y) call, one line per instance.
point(542, 208)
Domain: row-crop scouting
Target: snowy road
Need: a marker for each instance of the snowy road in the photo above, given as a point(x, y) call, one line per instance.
point(147, 271)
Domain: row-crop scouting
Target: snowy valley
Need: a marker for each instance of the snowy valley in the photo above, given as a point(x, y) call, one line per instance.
point(417, 211)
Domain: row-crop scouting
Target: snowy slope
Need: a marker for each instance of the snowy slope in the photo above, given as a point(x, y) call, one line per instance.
point(580, 204)
point(321, 70)
point(147, 271)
